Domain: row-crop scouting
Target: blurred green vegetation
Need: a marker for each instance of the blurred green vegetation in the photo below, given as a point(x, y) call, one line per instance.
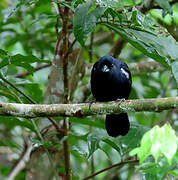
point(28, 34)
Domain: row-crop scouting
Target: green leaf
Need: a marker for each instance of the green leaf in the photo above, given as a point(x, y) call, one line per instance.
point(34, 91)
point(11, 122)
point(93, 144)
point(174, 66)
point(3, 54)
point(79, 151)
point(8, 93)
point(133, 137)
point(167, 136)
point(94, 139)
point(24, 61)
point(174, 173)
point(114, 14)
point(113, 145)
point(87, 121)
point(110, 4)
point(9, 143)
point(160, 169)
point(140, 40)
point(19, 60)
point(150, 176)
point(4, 57)
point(134, 151)
point(155, 142)
point(85, 19)
point(167, 9)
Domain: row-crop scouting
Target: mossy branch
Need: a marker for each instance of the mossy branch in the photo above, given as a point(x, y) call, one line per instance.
point(86, 109)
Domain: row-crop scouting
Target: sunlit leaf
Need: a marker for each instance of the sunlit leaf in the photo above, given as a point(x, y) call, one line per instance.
point(155, 142)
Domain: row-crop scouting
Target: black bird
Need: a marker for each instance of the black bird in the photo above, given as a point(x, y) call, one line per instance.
point(111, 80)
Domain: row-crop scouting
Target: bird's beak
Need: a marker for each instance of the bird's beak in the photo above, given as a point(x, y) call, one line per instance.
point(105, 68)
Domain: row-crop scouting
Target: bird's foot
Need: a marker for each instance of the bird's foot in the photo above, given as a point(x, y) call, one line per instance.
point(119, 100)
point(91, 102)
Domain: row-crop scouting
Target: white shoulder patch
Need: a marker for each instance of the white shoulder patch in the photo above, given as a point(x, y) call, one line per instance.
point(125, 73)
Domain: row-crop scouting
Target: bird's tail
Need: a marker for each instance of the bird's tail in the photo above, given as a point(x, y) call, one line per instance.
point(117, 124)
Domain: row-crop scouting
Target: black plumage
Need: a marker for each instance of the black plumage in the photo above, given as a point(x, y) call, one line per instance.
point(111, 80)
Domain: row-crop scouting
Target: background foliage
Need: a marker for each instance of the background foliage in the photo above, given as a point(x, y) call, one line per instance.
point(133, 30)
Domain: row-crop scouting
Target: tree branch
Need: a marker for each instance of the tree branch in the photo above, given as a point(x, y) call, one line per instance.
point(86, 109)
point(145, 67)
point(115, 165)
point(137, 68)
point(118, 46)
point(65, 48)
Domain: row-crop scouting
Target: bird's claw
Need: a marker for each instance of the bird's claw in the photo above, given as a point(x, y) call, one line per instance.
point(119, 100)
point(91, 102)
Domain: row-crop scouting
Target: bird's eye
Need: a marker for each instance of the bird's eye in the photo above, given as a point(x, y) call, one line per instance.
point(110, 66)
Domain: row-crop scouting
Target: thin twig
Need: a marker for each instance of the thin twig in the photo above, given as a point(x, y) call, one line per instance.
point(21, 162)
point(110, 167)
point(57, 42)
point(118, 46)
point(18, 90)
point(91, 47)
point(39, 67)
point(136, 68)
point(61, 12)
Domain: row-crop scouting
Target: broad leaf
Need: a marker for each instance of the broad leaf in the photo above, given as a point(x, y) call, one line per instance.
point(113, 145)
point(19, 60)
point(167, 9)
point(13, 121)
point(94, 140)
point(138, 41)
point(155, 142)
point(9, 143)
point(158, 170)
point(85, 19)
point(110, 3)
point(174, 66)
point(133, 138)
point(87, 121)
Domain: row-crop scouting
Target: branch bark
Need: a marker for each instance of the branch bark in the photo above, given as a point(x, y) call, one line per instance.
point(108, 168)
point(86, 109)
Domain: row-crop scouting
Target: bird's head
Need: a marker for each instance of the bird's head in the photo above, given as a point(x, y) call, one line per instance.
point(105, 64)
